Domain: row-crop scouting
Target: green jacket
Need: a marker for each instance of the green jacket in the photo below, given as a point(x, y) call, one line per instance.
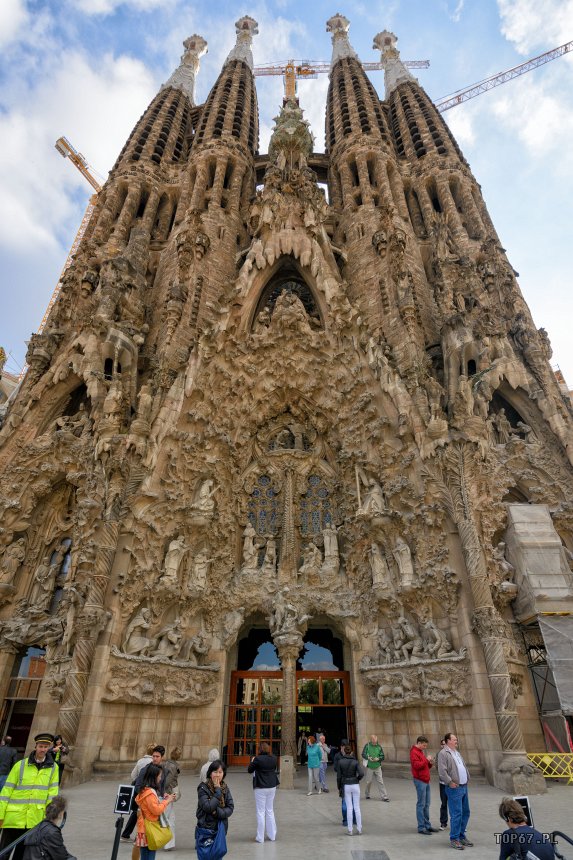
point(27, 791)
point(374, 755)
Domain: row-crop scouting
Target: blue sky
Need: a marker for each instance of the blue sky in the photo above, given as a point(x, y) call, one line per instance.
point(88, 68)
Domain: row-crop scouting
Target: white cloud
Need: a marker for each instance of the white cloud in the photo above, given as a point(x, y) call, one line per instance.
point(108, 7)
point(13, 16)
point(536, 24)
point(457, 13)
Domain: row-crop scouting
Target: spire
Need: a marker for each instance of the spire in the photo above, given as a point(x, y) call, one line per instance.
point(395, 72)
point(291, 141)
point(338, 25)
point(183, 78)
point(246, 28)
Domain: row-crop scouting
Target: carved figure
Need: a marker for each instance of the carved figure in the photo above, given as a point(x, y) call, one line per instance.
point(197, 650)
point(270, 559)
point(403, 556)
point(250, 551)
point(200, 570)
point(502, 426)
point(435, 394)
point(378, 567)
point(173, 557)
point(136, 641)
point(168, 642)
point(373, 500)
point(284, 617)
point(384, 646)
point(205, 502)
point(311, 560)
point(13, 557)
point(437, 644)
point(330, 536)
point(412, 646)
point(72, 601)
point(43, 583)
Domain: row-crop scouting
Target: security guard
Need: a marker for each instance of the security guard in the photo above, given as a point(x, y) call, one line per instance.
point(31, 785)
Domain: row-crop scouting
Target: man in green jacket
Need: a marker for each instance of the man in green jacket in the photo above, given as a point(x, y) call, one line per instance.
point(373, 755)
point(31, 785)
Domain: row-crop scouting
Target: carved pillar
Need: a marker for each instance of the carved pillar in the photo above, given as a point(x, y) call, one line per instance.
point(514, 772)
point(289, 646)
point(90, 623)
point(288, 558)
point(119, 235)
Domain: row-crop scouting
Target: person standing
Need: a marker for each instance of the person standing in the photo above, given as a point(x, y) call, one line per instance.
point(151, 807)
point(373, 754)
point(454, 774)
point(213, 755)
point(301, 747)
point(154, 755)
point(46, 839)
point(337, 756)
point(214, 803)
point(314, 758)
point(8, 758)
point(58, 751)
point(265, 780)
point(350, 775)
point(520, 834)
point(421, 764)
point(171, 771)
point(31, 784)
point(443, 797)
point(325, 751)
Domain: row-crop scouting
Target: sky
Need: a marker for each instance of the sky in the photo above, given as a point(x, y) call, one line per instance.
point(87, 69)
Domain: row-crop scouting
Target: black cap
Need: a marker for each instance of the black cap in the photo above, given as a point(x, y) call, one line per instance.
point(44, 738)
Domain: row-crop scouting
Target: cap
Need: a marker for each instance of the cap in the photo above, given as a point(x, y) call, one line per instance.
point(44, 738)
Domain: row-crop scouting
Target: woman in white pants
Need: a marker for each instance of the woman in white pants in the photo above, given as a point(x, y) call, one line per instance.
point(350, 772)
point(265, 780)
point(171, 771)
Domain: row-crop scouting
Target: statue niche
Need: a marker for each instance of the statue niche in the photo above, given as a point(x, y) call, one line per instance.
point(287, 302)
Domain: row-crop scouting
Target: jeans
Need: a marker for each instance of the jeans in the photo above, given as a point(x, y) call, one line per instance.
point(314, 777)
point(322, 775)
point(459, 806)
point(375, 773)
point(264, 800)
point(443, 806)
point(345, 813)
point(352, 798)
point(146, 854)
point(422, 805)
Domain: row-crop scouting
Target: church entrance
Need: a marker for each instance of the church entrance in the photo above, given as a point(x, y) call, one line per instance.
point(322, 696)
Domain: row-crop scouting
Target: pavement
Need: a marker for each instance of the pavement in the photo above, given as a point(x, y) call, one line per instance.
point(310, 827)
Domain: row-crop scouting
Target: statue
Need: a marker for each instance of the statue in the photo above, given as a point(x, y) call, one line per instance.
point(502, 426)
point(378, 567)
point(200, 570)
point(270, 559)
point(168, 642)
point(384, 646)
point(373, 501)
point(196, 649)
point(438, 644)
point(136, 642)
point(205, 502)
point(43, 583)
point(72, 600)
point(412, 645)
point(403, 556)
point(173, 557)
point(250, 551)
point(284, 616)
point(13, 557)
point(330, 536)
point(311, 560)
point(435, 393)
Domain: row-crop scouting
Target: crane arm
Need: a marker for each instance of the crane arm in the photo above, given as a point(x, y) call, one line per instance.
point(66, 150)
point(501, 78)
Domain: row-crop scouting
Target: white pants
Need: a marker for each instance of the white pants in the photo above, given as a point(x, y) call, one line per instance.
point(264, 800)
point(352, 798)
point(170, 818)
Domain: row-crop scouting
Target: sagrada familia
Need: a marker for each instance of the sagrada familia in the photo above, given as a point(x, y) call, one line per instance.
point(263, 418)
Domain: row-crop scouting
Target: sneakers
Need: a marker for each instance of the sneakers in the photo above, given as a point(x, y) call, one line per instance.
point(320, 790)
point(386, 799)
point(443, 826)
point(466, 842)
point(432, 830)
point(456, 843)
point(326, 790)
point(425, 832)
point(126, 839)
point(308, 794)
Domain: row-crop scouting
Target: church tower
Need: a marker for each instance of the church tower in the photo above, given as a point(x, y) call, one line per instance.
point(284, 460)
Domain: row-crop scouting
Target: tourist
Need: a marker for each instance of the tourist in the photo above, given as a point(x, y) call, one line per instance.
point(314, 758)
point(265, 780)
point(157, 754)
point(325, 751)
point(150, 806)
point(351, 772)
point(301, 747)
point(58, 751)
point(421, 764)
point(214, 808)
point(139, 766)
point(31, 785)
point(443, 797)
point(213, 755)
point(454, 774)
point(520, 835)
point(46, 839)
point(171, 771)
point(337, 756)
point(8, 758)
point(373, 755)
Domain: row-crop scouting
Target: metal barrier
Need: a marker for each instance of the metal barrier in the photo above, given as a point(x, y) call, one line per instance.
point(563, 836)
point(9, 848)
point(554, 765)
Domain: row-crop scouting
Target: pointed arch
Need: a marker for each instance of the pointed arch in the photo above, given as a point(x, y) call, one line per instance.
point(286, 275)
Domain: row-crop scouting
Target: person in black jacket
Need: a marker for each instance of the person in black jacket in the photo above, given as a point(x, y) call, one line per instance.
point(350, 774)
point(45, 840)
point(265, 780)
point(214, 798)
point(8, 758)
point(336, 758)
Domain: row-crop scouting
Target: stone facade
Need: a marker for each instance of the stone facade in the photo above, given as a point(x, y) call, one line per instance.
point(257, 407)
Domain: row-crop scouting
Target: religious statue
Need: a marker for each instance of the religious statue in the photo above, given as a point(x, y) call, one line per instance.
point(384, 646)
point(270, 559)
point(43, 583)
point(379, 567)
point(169, 639)
point(136, 641)
point(373, 500)
point(330, 536)
point(175, 552)
point(250, 551)
point(437, 644)
point(403, 556)
point(200, 570)
point(412, 646)
point(284, 616)
point(205, 502)
point(72, 601)
point(502, 426)
point(13, 557)
point(196, 649)
point(311, 560)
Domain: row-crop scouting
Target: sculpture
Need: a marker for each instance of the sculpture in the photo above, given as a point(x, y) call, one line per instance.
point(169, 639)
point(373, 501)
point(43, 583)
point(72, 601)
point(502, 426)
point(331, 552)
point(403, 556)
point(136, 641)
point(437, 645)
point(13, 557)
point(205, 502)
point(412, 646)
point(311, 560)
point(250, 551)
point(200, 570)
point(270, 559)
point(173, 557)
point(378, 567)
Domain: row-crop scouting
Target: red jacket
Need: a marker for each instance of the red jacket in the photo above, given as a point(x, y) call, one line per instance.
point(420, 764)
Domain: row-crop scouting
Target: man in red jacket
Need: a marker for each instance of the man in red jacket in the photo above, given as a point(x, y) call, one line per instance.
point(421, 764)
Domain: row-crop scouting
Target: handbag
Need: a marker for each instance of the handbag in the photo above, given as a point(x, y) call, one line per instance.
point(156, 835)
point(211, 844)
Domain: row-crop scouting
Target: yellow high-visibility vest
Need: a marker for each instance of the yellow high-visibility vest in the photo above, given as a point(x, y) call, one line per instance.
point(26, 793)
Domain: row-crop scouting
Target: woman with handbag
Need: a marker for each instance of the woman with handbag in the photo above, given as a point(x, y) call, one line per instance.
point(265, 780)
point(171, 771)
point(151, 834)
point(214, 807)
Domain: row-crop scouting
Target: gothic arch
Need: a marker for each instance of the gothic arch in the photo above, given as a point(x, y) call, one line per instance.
point(286, 270)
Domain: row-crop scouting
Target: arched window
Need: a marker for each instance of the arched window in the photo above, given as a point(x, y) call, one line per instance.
point(288, 280)
point(263, 507)
point(315, 507)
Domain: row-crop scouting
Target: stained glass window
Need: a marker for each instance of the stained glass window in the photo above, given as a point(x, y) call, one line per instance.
point(263, 506)
point(315, 507)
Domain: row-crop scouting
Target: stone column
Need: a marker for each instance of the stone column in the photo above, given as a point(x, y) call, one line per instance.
point(289, 646)
point(288, 558)
point(514, 773)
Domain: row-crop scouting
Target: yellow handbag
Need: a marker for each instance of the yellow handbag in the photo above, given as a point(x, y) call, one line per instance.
point(156, 835)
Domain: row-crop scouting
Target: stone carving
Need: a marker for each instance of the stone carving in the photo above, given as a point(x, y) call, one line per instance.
point(169, 640)
point(43, 584)
point(407, 644)
point(250, 550)
point(371, 501)
point(13, 557)
point(72, 603)
point(311, 561)
point(199, 570)
point(173, 558)
point(269, 567)
point(331, 550)
point(402, 688)
point(136, 641)
point(205, 502)
point(403, 557)
point(381, 576)
point(142, 683)
point(284, 617)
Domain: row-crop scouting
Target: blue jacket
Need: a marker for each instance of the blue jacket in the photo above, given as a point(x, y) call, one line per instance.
point(314, 754)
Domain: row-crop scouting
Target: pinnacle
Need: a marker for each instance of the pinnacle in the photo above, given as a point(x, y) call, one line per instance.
point(183, 78)
point(339, 25)
point(246, 27)
point(395, 72)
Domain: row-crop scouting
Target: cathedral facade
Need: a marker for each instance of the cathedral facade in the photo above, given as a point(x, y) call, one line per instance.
point(285, 459)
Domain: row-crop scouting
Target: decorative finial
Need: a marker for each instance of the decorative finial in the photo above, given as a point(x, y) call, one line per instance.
point(395, 72)
point(338, 25)
point(292, 141)
point(246, 28)
point(183, 78)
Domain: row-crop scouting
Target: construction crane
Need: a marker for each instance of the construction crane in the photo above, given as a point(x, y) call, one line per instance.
point(500, 78)
point(292, 71)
